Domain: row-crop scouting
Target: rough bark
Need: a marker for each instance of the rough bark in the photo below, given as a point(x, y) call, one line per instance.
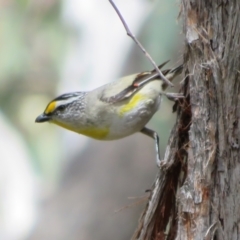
point(196, 193)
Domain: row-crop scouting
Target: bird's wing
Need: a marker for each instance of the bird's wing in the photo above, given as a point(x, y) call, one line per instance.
point(127, 86)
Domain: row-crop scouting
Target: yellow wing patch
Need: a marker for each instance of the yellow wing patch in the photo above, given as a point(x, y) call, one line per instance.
point(50, 107)
point(93, 132)
point(135, 100)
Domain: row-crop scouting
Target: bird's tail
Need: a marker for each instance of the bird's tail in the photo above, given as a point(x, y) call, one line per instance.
point(170, 74)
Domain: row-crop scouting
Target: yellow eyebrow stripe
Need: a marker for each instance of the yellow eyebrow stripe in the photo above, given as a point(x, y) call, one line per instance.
point(50, 107)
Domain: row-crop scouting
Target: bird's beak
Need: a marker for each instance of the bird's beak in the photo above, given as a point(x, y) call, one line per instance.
point(42, 118)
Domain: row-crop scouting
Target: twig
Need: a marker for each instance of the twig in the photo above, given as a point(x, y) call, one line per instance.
point(129, 33)
point(140, 201)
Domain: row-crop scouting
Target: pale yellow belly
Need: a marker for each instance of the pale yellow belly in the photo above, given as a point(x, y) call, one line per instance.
point(132, 117)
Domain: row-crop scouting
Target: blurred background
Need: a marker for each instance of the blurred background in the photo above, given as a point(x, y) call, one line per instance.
point(55, 184)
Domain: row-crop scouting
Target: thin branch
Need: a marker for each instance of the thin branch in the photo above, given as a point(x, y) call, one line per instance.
point(129, 33)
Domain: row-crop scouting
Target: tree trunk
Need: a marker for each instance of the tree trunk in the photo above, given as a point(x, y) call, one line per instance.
point(196, 194)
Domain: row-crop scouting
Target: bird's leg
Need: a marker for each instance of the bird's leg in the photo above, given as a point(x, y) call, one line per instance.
point(155, 136)
point(173, 96)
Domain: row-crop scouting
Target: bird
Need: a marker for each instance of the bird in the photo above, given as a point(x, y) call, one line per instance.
point(115, 110)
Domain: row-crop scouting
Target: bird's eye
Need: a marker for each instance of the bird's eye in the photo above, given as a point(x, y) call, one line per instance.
point(61, 108)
